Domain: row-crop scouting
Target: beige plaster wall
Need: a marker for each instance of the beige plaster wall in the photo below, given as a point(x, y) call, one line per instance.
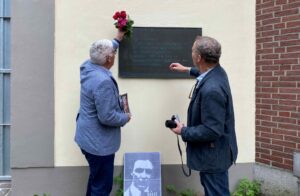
point(80, 22)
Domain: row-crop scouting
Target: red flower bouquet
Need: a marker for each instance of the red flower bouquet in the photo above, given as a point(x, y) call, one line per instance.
point(123, 22)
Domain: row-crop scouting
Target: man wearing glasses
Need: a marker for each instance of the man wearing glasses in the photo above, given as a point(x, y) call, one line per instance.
point(210, 131)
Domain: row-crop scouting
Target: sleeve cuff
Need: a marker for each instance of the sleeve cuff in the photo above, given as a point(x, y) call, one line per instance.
point(116, 43)
point(183, 133)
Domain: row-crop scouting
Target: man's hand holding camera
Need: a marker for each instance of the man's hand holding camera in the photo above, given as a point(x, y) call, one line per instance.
point(177, 130)
point(174, 125)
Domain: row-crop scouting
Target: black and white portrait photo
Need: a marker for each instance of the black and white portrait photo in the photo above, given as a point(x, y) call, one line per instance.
point(142, 174)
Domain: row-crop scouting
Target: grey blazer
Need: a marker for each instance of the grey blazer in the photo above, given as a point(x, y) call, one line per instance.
point(100, 115)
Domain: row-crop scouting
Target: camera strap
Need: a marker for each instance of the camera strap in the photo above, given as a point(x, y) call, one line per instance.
point(180, 152)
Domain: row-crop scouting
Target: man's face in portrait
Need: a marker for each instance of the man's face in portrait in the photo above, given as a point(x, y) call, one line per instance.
point(141, 174)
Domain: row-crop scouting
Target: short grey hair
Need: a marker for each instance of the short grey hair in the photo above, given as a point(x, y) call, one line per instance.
point(208, 48)
point(100, 50)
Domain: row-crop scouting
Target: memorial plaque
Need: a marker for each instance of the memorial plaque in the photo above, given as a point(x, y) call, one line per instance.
point(150, 51)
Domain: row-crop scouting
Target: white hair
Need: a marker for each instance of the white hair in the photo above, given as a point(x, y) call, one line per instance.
point(100, 50)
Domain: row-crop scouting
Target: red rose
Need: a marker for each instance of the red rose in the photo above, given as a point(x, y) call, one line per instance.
point(123, 14)
point(123, 22)
point(117, 15)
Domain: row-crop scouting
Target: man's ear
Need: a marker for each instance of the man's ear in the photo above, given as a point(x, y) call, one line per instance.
point(198, 58)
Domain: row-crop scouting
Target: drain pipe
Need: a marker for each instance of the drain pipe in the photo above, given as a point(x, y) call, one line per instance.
point(296, 168)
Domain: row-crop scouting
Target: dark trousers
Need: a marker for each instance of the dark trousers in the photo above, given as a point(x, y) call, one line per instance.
point(101, 174)
point(215, 184)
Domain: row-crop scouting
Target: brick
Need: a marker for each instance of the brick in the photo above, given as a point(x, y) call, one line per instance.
point(293, 24)
point(265, 5)
point(271, 21)
point(285, 114)
point(286, 61)
point(270, 101)
point(272, 147)
point(284, 108)
point(288, 126)
point(269, 112)
point(281, 154)
point(268, 124)
point(264, 39)
point(285, 67)
point(264, 51)
point(270, 45)
point(269, 33)
point(264, 16)
point(294, 6)
point(258, 89)
point(293, 49)
point(258, 79)
point(279, 26)
point(292, 139)
point(290, 78)
point(264, 140)
point(263, 150)
point(284, 120)
point(284, 143)
point(273, 136)
point(263, 84)
point(270, 90)
point(290, 43)
point(263, 117)
point(289, 150)
point(257, 122)
point(280, 2)
point(290, 103)
point(271, 9)
point(263, 129)
point(283, 84)
point(295, 115)
point(263, 95)
point(279, 50)
point(270, 56)
point(293, 73)
point(287, 37)
point(288, 161)
point(257, 57)
point(296, 67)
point(264, 62)
point(290, 30)
point(286, 12)
point(258, 12)
point(284, 132)
point(264, 73)
point(279, 73)
point(291, 18)
point(263, 106)
point(270, 78)
point(270, 67)
point(291, 55)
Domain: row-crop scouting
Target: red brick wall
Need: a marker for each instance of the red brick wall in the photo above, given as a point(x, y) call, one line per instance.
point(277, 82)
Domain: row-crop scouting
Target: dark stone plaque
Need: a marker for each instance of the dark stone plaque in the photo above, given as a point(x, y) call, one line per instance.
point(150, 51)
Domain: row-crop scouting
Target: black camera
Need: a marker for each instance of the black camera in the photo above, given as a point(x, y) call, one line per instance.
point(171, 123)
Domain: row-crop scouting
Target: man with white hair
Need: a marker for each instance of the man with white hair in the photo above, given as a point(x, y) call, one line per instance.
point(100, 115)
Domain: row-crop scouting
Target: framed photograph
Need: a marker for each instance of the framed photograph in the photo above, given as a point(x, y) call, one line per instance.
point(124, 99)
